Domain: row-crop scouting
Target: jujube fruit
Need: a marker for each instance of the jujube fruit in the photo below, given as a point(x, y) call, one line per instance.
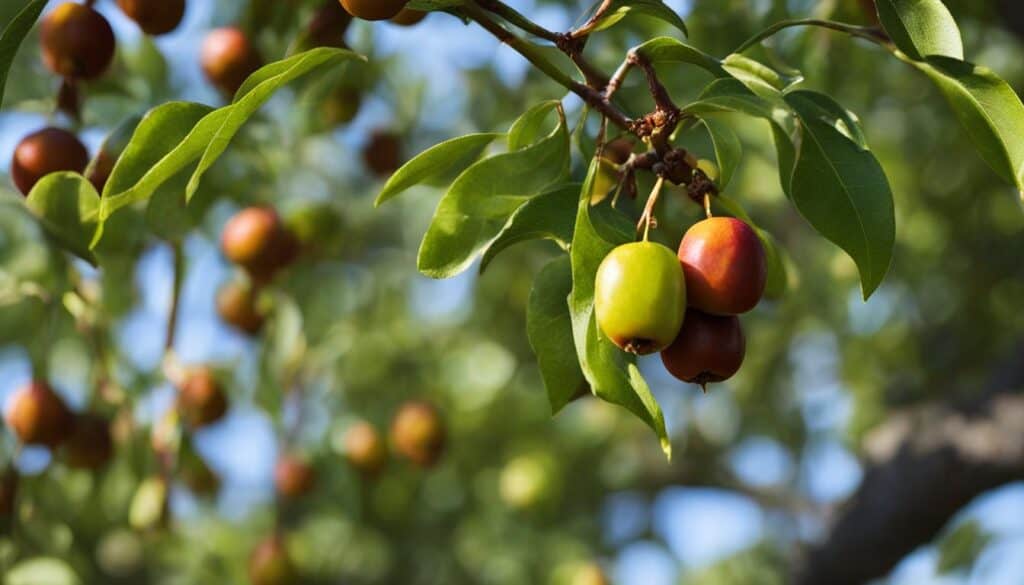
point(77, 41)
point(236, 305)
point(256, 239)
point(46, 151)
point(640, 297)
point(328, 25)
point(293, 476)
point(374, 9)
point(228, 58)
point(408, 17)
point(38, 416)
point(90, 445)
point(99, 171)
point(341, 106)
point(201, 399)
point(270, 563)
point(418, 433)
point(154, 17)
point(383, 153)
point(709, 348)
point(365, 449)
point(725, 267)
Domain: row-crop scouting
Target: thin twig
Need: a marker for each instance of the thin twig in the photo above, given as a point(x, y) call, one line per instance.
point(873, 34)
point(512, 16)
point(587, 27)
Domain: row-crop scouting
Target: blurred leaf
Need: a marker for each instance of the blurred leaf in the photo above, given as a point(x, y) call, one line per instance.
point(843, 192)
point(14, 33)
point(921, 28)
point(439, 160)
point(670, 50)
point(728, 149)
point(547, 216)
point(960, 547)
point(654, 8)
point(284, 347)
point(549, 326)
point(145, 61)
point(41, 571)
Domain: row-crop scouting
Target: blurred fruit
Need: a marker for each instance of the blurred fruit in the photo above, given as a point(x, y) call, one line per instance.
point(316, 227)
point(374, 9)
point(383, 153)
point(328, 25)
point(725, 266)
point(154, 17)
point(408, 17)
point(38, 416)
point(90, 445)
point(77, 41)
point(528, 481)
point(341, 106)
point(270, 563)
point(709, 348)
point(256, 239)
point(201, 400)
point(228, 58)
point(640, 297)
point(293, 476)
point(365, 449)
point(43, 152)
point(149, 508)
point(418, 433)
point(237, 306)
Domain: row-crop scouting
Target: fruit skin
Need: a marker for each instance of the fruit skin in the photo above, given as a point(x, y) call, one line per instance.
point(201, 399)
point(408, 17)
point(99, 172)
point(365, 449)
point(38, 416)
point(383, 153)
point(90, 445)
point(341, 106)
point(256, 239)
point(43, 152)
point(77, 41)
point(709, 348)
point(228, 58)
point(270, 563)
point(154, 17)
point(328, 25)
point(640, 297)
point(293, 477)
point(725, 266)
point(236, 305)
point(418, 434)
point(374, 9)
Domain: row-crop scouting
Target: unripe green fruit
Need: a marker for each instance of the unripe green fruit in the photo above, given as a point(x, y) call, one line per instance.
point(709, 348)
point(49, 150)
point(418, 433)
point(725, 266)
point(270, 564)
point(77, 41)
point(38, 416)
point(154, 17)
point(256, 239)
point(640, 297)
point(365, 449)
point(236, 305)
point(529, 481)
point(201, 400)
point(374, 9)
point(293, 477)
point(409, 17)
point(341, 106)
point(383, 153)
point(228, 58)
point(90, 445)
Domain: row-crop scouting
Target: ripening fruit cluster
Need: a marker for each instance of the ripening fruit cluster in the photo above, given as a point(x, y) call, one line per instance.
point(684, 304)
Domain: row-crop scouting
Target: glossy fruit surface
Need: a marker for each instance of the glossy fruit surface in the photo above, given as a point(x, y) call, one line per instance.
point(409, 17)
point(293, 477)
point(256, 239)
point(418, 433)
point(90, 445)
point(237, 306)
point(270, 564)
point(640, 297)
point(374, 9)
point(383, 153)
point(154, 17)
point(43, 152)
point(38, 416)
point(725, 266)
point(228, 58)
point(709, 348)
point(365, 448)
point(77, 41)
point(201, 399)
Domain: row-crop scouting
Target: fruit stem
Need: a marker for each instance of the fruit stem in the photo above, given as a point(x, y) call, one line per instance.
point(647, 218)
point(707, 205)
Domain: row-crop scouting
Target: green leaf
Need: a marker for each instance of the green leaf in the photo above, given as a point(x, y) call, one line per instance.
point(654, 8)
point(921, 28)
point(669, 50)
point(482, 198)
point(989, 110)
point(14, 33)
point(549, 327)
point(612, 373)
point(547, 216)
point(829, 111)
point(775, 255)
point(728, 149)
point(437, 161)
point(66, 205)
point(840, 188)
point(760, 78)
point(529, 127)
point(960, 547)
point(41, 571)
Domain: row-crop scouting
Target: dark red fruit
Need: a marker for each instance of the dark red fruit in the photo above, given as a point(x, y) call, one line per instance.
point(270, 563)
point(408, 17)
point(38, 416)
point(383, 153)
point(725, 266)
point(328, 25)
point(709, 348)
point(374, 9)
point(47, 151)
point(256, 239)
point(293, 477)
point(100, 170)
point(365, 449)
point(236, 305)
point(154, 17)
point(418, 433)
point(201, 400)
point(77, 41)
point(228, 58)
point(90, 445)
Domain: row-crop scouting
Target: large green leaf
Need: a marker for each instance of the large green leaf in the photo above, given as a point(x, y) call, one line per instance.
point(728, 149)
point(921, 28)
point(548, 216)
point(14, 32)
point(989, 110)
point(670, 50)
point(549, 326)
point(654, 8)
point(437, 161)
point(760, 78)
point(612, 373)
point(840, 188)
point(482, 198)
